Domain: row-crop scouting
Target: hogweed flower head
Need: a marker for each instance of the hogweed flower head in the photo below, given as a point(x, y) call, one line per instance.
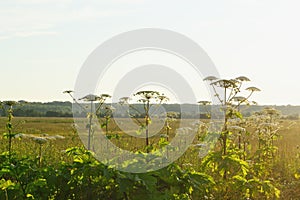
point(253, 89)
point(224, 83)
point(68, 91)
point(204, 103)
point(124, 100)
point(103, 97)
point(147, 94)
point(163, 98)
point(242, 78)
point(90, 97)
point(210, 78)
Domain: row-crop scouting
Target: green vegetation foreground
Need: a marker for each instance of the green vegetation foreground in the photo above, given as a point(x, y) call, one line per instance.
point(74, 174)
point(245, 158)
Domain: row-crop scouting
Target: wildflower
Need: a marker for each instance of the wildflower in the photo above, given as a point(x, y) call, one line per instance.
point(102, 98)
point(124, 100)
point(225, 83)
point(234, 81)
point(105, 96)
point(147, 94)
point(242, 78)
point(210, 78)
point(68, 91)
point(204, 102)
point(163, 98)
point(253, 89)
point(90, 97)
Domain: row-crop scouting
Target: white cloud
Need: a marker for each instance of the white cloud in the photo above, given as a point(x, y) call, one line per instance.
point(43, 17)
point(33, 33)
point(41, 1)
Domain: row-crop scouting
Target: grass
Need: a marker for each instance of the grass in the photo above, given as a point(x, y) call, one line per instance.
point(285, 166)
point(52, 150)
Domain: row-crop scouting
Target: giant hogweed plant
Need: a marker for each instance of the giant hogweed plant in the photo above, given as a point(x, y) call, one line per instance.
point(7, 107)
point(91, 114)
point(266, 124)
point(149, 99)
point(229, 163)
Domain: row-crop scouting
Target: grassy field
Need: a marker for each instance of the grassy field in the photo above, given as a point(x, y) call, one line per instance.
point(286, 163)
point(53, 149)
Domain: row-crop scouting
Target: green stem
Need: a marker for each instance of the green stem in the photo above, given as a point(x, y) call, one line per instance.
point(40, 155)
point(147, 123)
point(9, 129)
point(90, 127)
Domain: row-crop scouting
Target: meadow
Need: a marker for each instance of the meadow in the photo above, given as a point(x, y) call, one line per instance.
point(230, 156)
point(284, 166)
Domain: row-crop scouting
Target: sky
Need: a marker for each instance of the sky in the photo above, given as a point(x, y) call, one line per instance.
point(44, 43)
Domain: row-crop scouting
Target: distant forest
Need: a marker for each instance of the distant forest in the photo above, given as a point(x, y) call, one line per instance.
point(64, 109)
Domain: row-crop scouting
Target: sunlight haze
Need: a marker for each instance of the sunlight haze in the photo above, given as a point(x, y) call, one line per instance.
point(43, 43)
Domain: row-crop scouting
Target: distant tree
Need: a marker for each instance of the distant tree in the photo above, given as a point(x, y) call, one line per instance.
point(52, 114)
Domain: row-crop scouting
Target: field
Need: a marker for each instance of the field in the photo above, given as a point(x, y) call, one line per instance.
point(284, 166)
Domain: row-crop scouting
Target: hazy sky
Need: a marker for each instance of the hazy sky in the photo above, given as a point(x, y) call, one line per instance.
point(43, 43)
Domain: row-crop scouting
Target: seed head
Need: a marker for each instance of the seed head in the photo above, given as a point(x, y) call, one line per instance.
point(204, 102)
point(163, 98)
point(105, 96)
point(253, 89)
point(147, 94)
point(224, 83)
point(242, 78)
point(124, 100)
point(67, 91)
point(210, 78)
point(90, 97)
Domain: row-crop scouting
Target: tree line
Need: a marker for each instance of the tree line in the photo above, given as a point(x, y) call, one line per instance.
point(64, 109)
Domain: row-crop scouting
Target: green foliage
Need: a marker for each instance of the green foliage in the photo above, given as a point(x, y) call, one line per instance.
point(86, 178)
